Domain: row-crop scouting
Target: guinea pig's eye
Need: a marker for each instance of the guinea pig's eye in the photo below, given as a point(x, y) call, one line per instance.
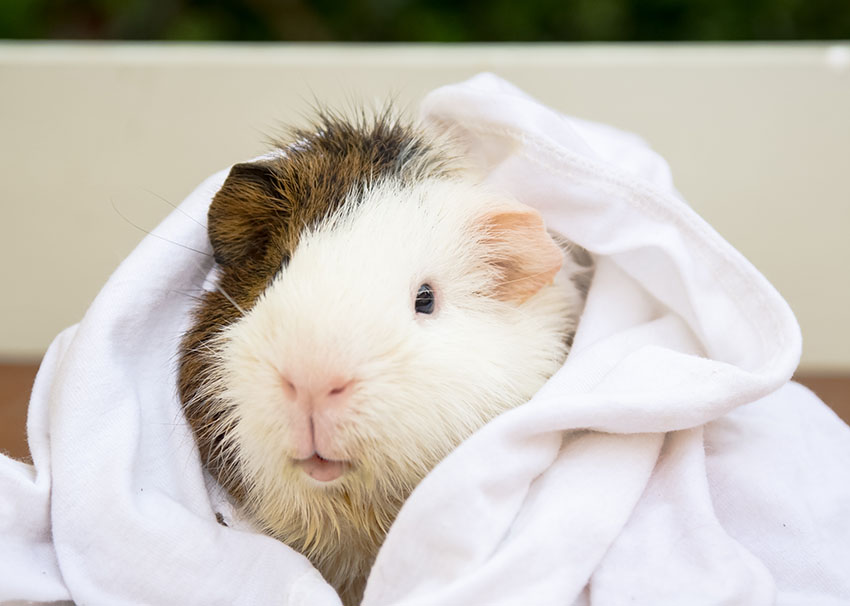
point(424, 300)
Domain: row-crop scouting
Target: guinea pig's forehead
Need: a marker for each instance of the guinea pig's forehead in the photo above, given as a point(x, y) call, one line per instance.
point(402, 220)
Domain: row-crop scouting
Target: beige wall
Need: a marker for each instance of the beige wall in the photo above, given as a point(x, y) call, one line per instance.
point(758, 138)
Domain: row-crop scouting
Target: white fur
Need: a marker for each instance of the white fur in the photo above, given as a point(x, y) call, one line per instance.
point(345, 305)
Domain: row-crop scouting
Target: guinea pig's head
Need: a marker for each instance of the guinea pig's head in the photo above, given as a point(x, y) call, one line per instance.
point(357, 339)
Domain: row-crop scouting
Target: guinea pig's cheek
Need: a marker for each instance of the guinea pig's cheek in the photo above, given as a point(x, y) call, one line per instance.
point(262, 422)
point(264, 418)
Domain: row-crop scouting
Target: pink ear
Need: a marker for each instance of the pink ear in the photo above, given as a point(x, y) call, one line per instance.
point(520, 249)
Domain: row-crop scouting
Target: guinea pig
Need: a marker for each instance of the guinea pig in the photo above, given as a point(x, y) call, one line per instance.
point(376, 304)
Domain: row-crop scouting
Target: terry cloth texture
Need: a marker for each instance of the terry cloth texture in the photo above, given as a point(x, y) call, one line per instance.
point(669, 461)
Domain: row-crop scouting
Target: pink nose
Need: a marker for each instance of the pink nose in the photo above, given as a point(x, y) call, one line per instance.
point(323, 394)
point(314, 415)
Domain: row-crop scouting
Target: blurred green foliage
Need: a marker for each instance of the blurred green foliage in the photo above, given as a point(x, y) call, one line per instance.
point(421, 20)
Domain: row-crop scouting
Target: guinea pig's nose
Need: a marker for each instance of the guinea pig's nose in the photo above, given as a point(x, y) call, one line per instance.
point(331, 393)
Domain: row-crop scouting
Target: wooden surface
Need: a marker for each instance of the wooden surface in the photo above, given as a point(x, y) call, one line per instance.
point(16, 383)
point(15, 386)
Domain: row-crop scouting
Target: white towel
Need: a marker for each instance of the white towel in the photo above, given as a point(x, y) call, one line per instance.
point(668, 462)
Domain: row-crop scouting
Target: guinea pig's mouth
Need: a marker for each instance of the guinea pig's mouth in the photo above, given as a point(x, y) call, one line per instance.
point(322, 469)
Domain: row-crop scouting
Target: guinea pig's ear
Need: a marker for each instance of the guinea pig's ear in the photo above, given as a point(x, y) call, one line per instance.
point(239, 219)
point(518, 246)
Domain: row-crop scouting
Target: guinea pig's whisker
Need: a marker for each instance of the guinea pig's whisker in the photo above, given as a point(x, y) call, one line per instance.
point(177, 208)
point(203, 346)
point(157, 236)
point(187, 295)
point(183, 293)
point(231, 299)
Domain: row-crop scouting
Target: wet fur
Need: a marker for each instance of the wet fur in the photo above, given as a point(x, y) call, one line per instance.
point(304, 201)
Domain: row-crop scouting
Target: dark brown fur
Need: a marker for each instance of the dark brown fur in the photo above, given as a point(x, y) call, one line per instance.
point(255, 222)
